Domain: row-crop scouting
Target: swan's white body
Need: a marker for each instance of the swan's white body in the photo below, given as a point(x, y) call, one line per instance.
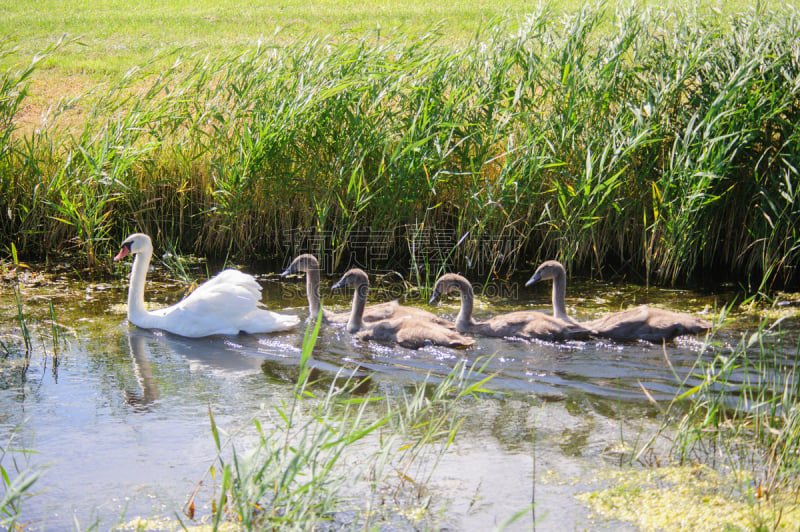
point(228, 303)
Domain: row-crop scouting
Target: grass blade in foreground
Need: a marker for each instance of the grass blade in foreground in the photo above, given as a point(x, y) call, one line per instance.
point(310, 458)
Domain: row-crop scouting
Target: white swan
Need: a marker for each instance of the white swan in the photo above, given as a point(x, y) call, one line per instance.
point(638, 323)
point(408, 330)
point(228, 303)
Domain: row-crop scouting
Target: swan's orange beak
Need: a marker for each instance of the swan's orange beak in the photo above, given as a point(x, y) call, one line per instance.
point(126, 249)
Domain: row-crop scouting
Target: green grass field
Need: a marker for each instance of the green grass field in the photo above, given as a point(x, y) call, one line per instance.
point(117, 35)
point(114, 36)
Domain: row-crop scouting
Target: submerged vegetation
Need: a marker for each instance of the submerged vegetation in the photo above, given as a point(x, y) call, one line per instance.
point(691, 498)
point(658, 141)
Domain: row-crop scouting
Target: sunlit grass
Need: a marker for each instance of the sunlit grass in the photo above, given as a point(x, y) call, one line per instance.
point(553, 138)
point(118, 34)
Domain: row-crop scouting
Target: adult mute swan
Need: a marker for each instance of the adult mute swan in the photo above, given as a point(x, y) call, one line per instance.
point(526, 324)
point(228, 303)
point(308, 264)
point(412, 331)
point(638, 323)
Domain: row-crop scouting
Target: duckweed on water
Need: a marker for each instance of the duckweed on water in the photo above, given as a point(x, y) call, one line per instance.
point(171, 525)
point(693, 498)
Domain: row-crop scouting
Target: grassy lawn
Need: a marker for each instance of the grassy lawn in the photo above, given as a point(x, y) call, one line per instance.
point(112, 37)
point(117, 34)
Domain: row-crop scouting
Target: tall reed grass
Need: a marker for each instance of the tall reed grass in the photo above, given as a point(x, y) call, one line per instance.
point(658, 139)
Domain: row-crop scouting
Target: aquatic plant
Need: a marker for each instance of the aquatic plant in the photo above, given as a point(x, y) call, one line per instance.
point(688, 497)
point(25, 327)
point(299, 471)
point(22, 321)
point(738, 412)
point(16, 482)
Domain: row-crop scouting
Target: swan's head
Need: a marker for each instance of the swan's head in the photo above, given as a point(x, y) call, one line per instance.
point(447, 283)
point(548, 270)
point(302, 263)
point(136, 243)
point(353, 278)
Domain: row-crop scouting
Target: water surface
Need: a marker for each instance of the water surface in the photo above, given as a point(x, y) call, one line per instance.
point(121, 415)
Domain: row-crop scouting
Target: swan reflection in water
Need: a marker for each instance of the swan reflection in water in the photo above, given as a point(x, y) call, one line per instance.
point(209, 356)
point(149, 393)
point(277, 358)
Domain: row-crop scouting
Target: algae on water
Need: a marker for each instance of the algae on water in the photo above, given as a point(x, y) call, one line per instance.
point(695, 498)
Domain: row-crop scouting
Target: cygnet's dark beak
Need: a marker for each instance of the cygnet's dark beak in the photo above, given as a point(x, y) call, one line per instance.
point(535, 279)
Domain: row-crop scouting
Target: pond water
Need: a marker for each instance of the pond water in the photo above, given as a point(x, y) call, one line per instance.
point(120, 415)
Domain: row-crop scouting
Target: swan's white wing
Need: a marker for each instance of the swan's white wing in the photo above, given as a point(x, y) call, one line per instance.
point(228, 303)
point(225, 280)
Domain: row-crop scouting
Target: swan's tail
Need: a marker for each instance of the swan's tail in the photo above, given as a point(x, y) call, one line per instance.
point(263, 321)
point(248, 292)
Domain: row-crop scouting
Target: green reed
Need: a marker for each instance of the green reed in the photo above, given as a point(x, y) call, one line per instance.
point(661, 139)
point(301, 470)
point(16, 482)
point(28, 326)
point(740, 412)
point(22, 321)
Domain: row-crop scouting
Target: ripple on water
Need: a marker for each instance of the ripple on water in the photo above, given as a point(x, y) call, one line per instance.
point(124, 419)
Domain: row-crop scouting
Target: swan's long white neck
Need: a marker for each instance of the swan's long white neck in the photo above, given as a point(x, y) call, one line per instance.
point(141, 262)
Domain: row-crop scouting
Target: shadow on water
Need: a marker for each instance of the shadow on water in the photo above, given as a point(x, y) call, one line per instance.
point(126, 423)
